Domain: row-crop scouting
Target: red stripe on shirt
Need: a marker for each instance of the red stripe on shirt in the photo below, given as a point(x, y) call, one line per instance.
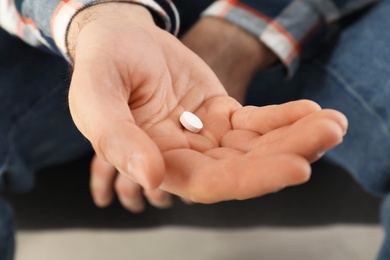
point(278, 26)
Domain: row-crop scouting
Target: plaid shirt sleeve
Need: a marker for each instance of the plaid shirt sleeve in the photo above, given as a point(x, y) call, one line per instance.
point(45, 22)
point(290, 28)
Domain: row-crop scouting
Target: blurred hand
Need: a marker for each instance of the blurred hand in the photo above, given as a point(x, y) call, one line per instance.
point(233, 54)
point(132, 81)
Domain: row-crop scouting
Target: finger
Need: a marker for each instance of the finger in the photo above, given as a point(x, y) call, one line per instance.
point(129, 194)
point(159, 199)
point(313, 146)
point(102, 181)
point(133, 153)
point(264, 119)
point(310, 139)
point(329, 114)
point(187, 201)
point(99, 107)
point(327, 126)
point(241, 177)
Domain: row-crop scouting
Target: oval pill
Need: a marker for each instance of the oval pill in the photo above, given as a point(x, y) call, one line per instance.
point(191, 122)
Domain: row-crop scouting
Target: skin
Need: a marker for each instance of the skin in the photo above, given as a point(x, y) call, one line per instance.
point(132, 81)
point(234, 55)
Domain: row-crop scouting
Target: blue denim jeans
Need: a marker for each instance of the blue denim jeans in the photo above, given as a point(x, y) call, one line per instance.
point(36, 129)
point(7, 241)
point(351, 75)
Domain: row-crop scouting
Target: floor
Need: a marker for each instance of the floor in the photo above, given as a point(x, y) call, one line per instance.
point(329, 218)
point(332, 242)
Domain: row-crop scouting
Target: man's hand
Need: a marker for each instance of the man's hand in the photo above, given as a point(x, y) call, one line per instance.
point(132, 81)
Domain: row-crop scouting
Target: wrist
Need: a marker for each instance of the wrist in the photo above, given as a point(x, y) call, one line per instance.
point(233, 54)
point(100, 14)
point(221, 38)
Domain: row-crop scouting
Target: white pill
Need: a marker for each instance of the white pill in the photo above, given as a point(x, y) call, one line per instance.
point(191, 122)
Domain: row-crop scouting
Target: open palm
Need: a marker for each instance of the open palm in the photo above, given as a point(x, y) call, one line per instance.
point(128, 101)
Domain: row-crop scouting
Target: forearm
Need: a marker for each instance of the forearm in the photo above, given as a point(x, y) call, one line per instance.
point(234, 54)
point(291, 29)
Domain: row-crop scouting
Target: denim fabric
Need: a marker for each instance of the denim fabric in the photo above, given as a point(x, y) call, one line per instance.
point(36, 129)
point(7, 239)
point(353, 77)
point(35, 125)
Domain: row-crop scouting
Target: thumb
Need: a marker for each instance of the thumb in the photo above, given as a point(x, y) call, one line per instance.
point(132, 152)
point(99, 108)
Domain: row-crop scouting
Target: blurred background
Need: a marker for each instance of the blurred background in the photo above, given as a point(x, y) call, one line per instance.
point(330, 217)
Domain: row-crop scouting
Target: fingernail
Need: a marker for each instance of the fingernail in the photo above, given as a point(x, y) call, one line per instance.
point(320, 154)
point(102, 202)
point(164, 203)
point(136, 167)
point(100, 194)
point(135, 206)
point(187, 201)
point(281, 187)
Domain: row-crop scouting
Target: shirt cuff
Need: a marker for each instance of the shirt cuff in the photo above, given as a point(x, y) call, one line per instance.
point(268, 30)
point(66, 10)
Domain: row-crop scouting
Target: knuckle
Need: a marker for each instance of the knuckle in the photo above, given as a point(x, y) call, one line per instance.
point(156, 195)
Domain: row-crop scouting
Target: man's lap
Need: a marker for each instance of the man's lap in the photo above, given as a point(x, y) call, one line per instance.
point(36, 129)
point(352, 77)
point(7, 238)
